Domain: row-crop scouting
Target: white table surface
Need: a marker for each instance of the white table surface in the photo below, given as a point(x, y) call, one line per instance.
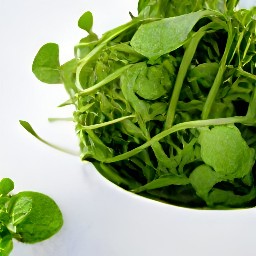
point(100, 219)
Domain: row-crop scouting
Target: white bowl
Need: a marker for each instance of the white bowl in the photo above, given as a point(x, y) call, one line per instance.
point(109, 221)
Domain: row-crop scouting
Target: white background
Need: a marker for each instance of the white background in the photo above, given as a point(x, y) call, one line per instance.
point(100, 219)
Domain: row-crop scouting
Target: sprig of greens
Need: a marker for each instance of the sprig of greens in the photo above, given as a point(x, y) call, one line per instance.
point(166, 103)
point(28, 217)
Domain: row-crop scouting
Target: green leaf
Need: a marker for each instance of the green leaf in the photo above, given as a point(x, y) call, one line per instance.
point(167, 8)
point(4, 215)
point(6, 244)
point(152, 82)
point(128, 80)
point(46, 65)
point(68, 74)
point(152, 8)
point(38, 223)
point(30, 129)
point(6, 186)
point(203, 178)
point(105, 81)
point(220, 198)
point(163, 182)
point(204, 74)
point(85, 22)
point(21, 209)
point(93, 147)
point(157, 38)
point(224, 149)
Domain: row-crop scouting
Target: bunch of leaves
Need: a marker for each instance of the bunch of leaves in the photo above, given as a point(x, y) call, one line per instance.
point(28, 217)
point(166, 103)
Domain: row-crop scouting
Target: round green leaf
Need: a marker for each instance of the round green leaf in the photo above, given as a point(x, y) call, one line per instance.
point(46, 65)
point(43, 221)
point(6, 186)
point(86, 21)
point(224, 149)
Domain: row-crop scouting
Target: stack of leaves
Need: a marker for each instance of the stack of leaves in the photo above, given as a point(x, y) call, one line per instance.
point(28, 217)
point(166, 103)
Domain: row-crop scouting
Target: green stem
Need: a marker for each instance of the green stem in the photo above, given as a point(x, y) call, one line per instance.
point(218, 80)
point(175, 128)
point(30, 129)
point(57, 119)
point(186, 61)
point(106, 80)
point(101, 44)
point(251, 113)
point(246, 74)
point(96, 126)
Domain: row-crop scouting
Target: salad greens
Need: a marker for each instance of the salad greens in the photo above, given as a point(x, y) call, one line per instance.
point(28, 217)
point(166, 103)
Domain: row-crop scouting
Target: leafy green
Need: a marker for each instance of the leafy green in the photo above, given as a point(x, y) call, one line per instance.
point(28, 216)
point(46, 65)
point(238, 159)
point(21, 209)
point(6, 243)
point(30, 129)
point(157, 38)
point(36, 216)
point(6, 186)
point(86, 22)
point(203, 178)
point(165, 105)
point(172, 8)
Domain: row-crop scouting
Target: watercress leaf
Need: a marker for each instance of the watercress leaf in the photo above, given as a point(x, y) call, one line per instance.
point(4, 215)
point(224, 149)
point(204, 73)
point(167, 8)
point(157, 111)
point(152, 82)
point(203, 178)
point(93, 147)
point(68, 74)
point(142, 4)
point(187, 155)
point(221, 198)
point(30, 129)
point(85, 46)
point(152, 8)
point(85, 22)
point(164, 162)
point(128, 79)
point(66, 103)
point(129, 128)
point(163, 181)
point(42, 221)
point(159, 37)
point(6, 186)
point(21, 208)
point(4, 201)
point(6, 244)
point(46, 65)
point(231, 5)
